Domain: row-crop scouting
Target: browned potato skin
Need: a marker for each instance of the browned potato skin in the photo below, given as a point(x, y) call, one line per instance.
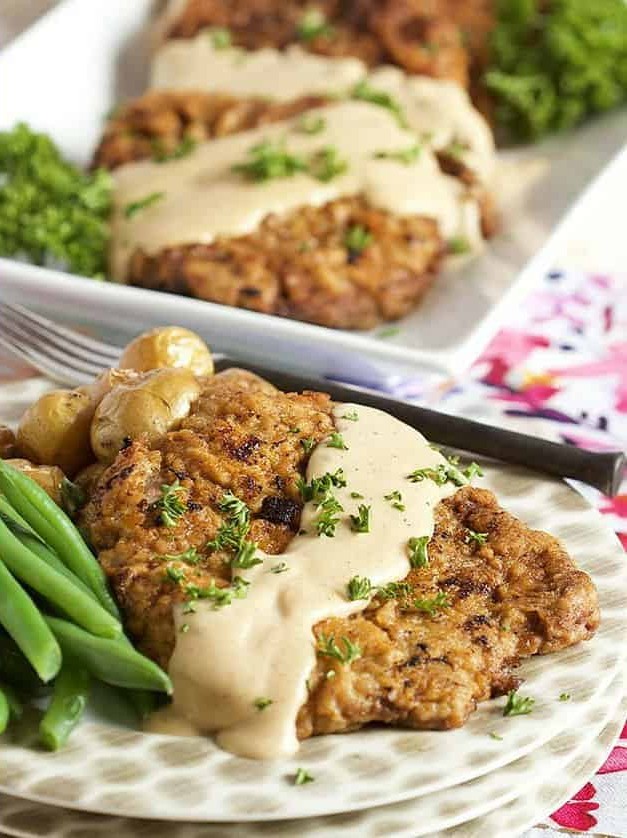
point(50, 478)
point(7, 443)
point(55, 430)
point(170, 346)
point(145, 409)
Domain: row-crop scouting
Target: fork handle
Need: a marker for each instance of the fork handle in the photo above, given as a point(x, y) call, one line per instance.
point(601, 470)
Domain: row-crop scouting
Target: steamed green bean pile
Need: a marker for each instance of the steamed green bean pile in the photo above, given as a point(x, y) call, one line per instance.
point(59, 624)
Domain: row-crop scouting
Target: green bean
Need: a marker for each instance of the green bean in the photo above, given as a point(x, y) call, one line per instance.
point(57, 530)
point(29, 538)
point(15, 705)
point(57, 589)
point(22, 620)
point(113, 661)
point(69, 700)
point(5, 711)
point(14, 668)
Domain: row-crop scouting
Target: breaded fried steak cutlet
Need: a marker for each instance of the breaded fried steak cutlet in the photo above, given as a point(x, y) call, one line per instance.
point(173, 523)
point(441, 38)
point(338, 216)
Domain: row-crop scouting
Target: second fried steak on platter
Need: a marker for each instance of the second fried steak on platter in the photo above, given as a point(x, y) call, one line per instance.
point(517, 595)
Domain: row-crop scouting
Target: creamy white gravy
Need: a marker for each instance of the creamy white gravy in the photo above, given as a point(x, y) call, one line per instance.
point(263, 646)
point(437, 107)
point(202, 197)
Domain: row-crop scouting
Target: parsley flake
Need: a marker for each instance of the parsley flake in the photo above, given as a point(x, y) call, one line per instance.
point(302, 777)
point(261, 703)
point(320, 486)
point(418, 551)
point(394, 590)
point(183, 149)
point(564, 696)
point(458, 245)
point(433, 605)
point(356, 496)
point(190, 556)
point(406, 156)
point(328, 647)
point(518, 705)
point(220, 37)
point(268, 160)
point(170, 505)
point(359, 587)
point(337, 441)
point(327, 520)
point(396, 499)
point(361, 521)
point(351, 415)
point(476, 537)
point(279, 568)
point(231, 535)
point(308, 444)
point(313, 24)
point(388, 332)
point(356, 240)
point(131, 210)
point(311, 123)
point(496, 736)
point(367, 93)
point(326, 164)
point(175, 574)
point(220, 596)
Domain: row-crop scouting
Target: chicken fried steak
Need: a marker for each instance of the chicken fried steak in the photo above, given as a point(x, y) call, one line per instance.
point(505, 592)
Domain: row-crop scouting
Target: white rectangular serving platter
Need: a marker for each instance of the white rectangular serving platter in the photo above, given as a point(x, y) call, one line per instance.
point(64, 74)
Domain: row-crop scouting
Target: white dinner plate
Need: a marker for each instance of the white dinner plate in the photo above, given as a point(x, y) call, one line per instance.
point(111, 769)
point(91, 53)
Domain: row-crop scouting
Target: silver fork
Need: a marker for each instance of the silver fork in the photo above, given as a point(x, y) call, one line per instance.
point(62, 354)
point(71, 358)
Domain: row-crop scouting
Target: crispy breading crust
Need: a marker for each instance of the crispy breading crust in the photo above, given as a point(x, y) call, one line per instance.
point(297, 265)
point(517, 595)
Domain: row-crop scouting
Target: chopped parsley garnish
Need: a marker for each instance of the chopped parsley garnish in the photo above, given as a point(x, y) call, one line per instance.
point(418, 551)
point(337, 441)
point(364, 91)
point(564, 696)
point(313, 24)
point(351, 415)
point(131, 210)
point(357, 239)
point(445, 473)
point(476, 537)
point(396, 499)
point(406, 156)
point(395, 590)
point(326, 164)
point(261, 703)
point(517, 705)
point(356, 496)
point(175, 574)
point(170, 505)
point(433, 605)
point(190, 556)
point(361, 521)
point(311, 123)
point(458, 245)
point(320, 486)
point(270, 160)
point(231, 535)
point(302, 777)
point(220, 37)
point(308, 444)
point(388, 332)
point(51, 212)
point(219, 596)
point(184, 628)
point(496, 736)
point(161, 155)
point(359, 587)
point(328, 647)
point(327, 520)
point(281, 567)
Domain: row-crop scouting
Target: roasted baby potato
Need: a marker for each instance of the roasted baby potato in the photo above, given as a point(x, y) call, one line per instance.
point(87, 478)
point(7, 443)
point(146, 408)
point(106, 381)
point(170, 346)
point(55, 430)
point(50, 478)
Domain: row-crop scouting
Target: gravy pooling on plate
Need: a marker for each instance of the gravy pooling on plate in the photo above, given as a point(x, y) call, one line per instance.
point(241, 672)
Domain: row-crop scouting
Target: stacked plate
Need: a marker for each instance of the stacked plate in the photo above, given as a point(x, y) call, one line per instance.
point(496, 776)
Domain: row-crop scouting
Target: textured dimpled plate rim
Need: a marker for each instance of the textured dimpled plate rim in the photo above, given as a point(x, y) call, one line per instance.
point(548, 776)
point(110, 769)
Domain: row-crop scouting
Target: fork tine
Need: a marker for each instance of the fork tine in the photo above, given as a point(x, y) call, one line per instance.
point(23, 338)
point(106, 354)
point(46, 365)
